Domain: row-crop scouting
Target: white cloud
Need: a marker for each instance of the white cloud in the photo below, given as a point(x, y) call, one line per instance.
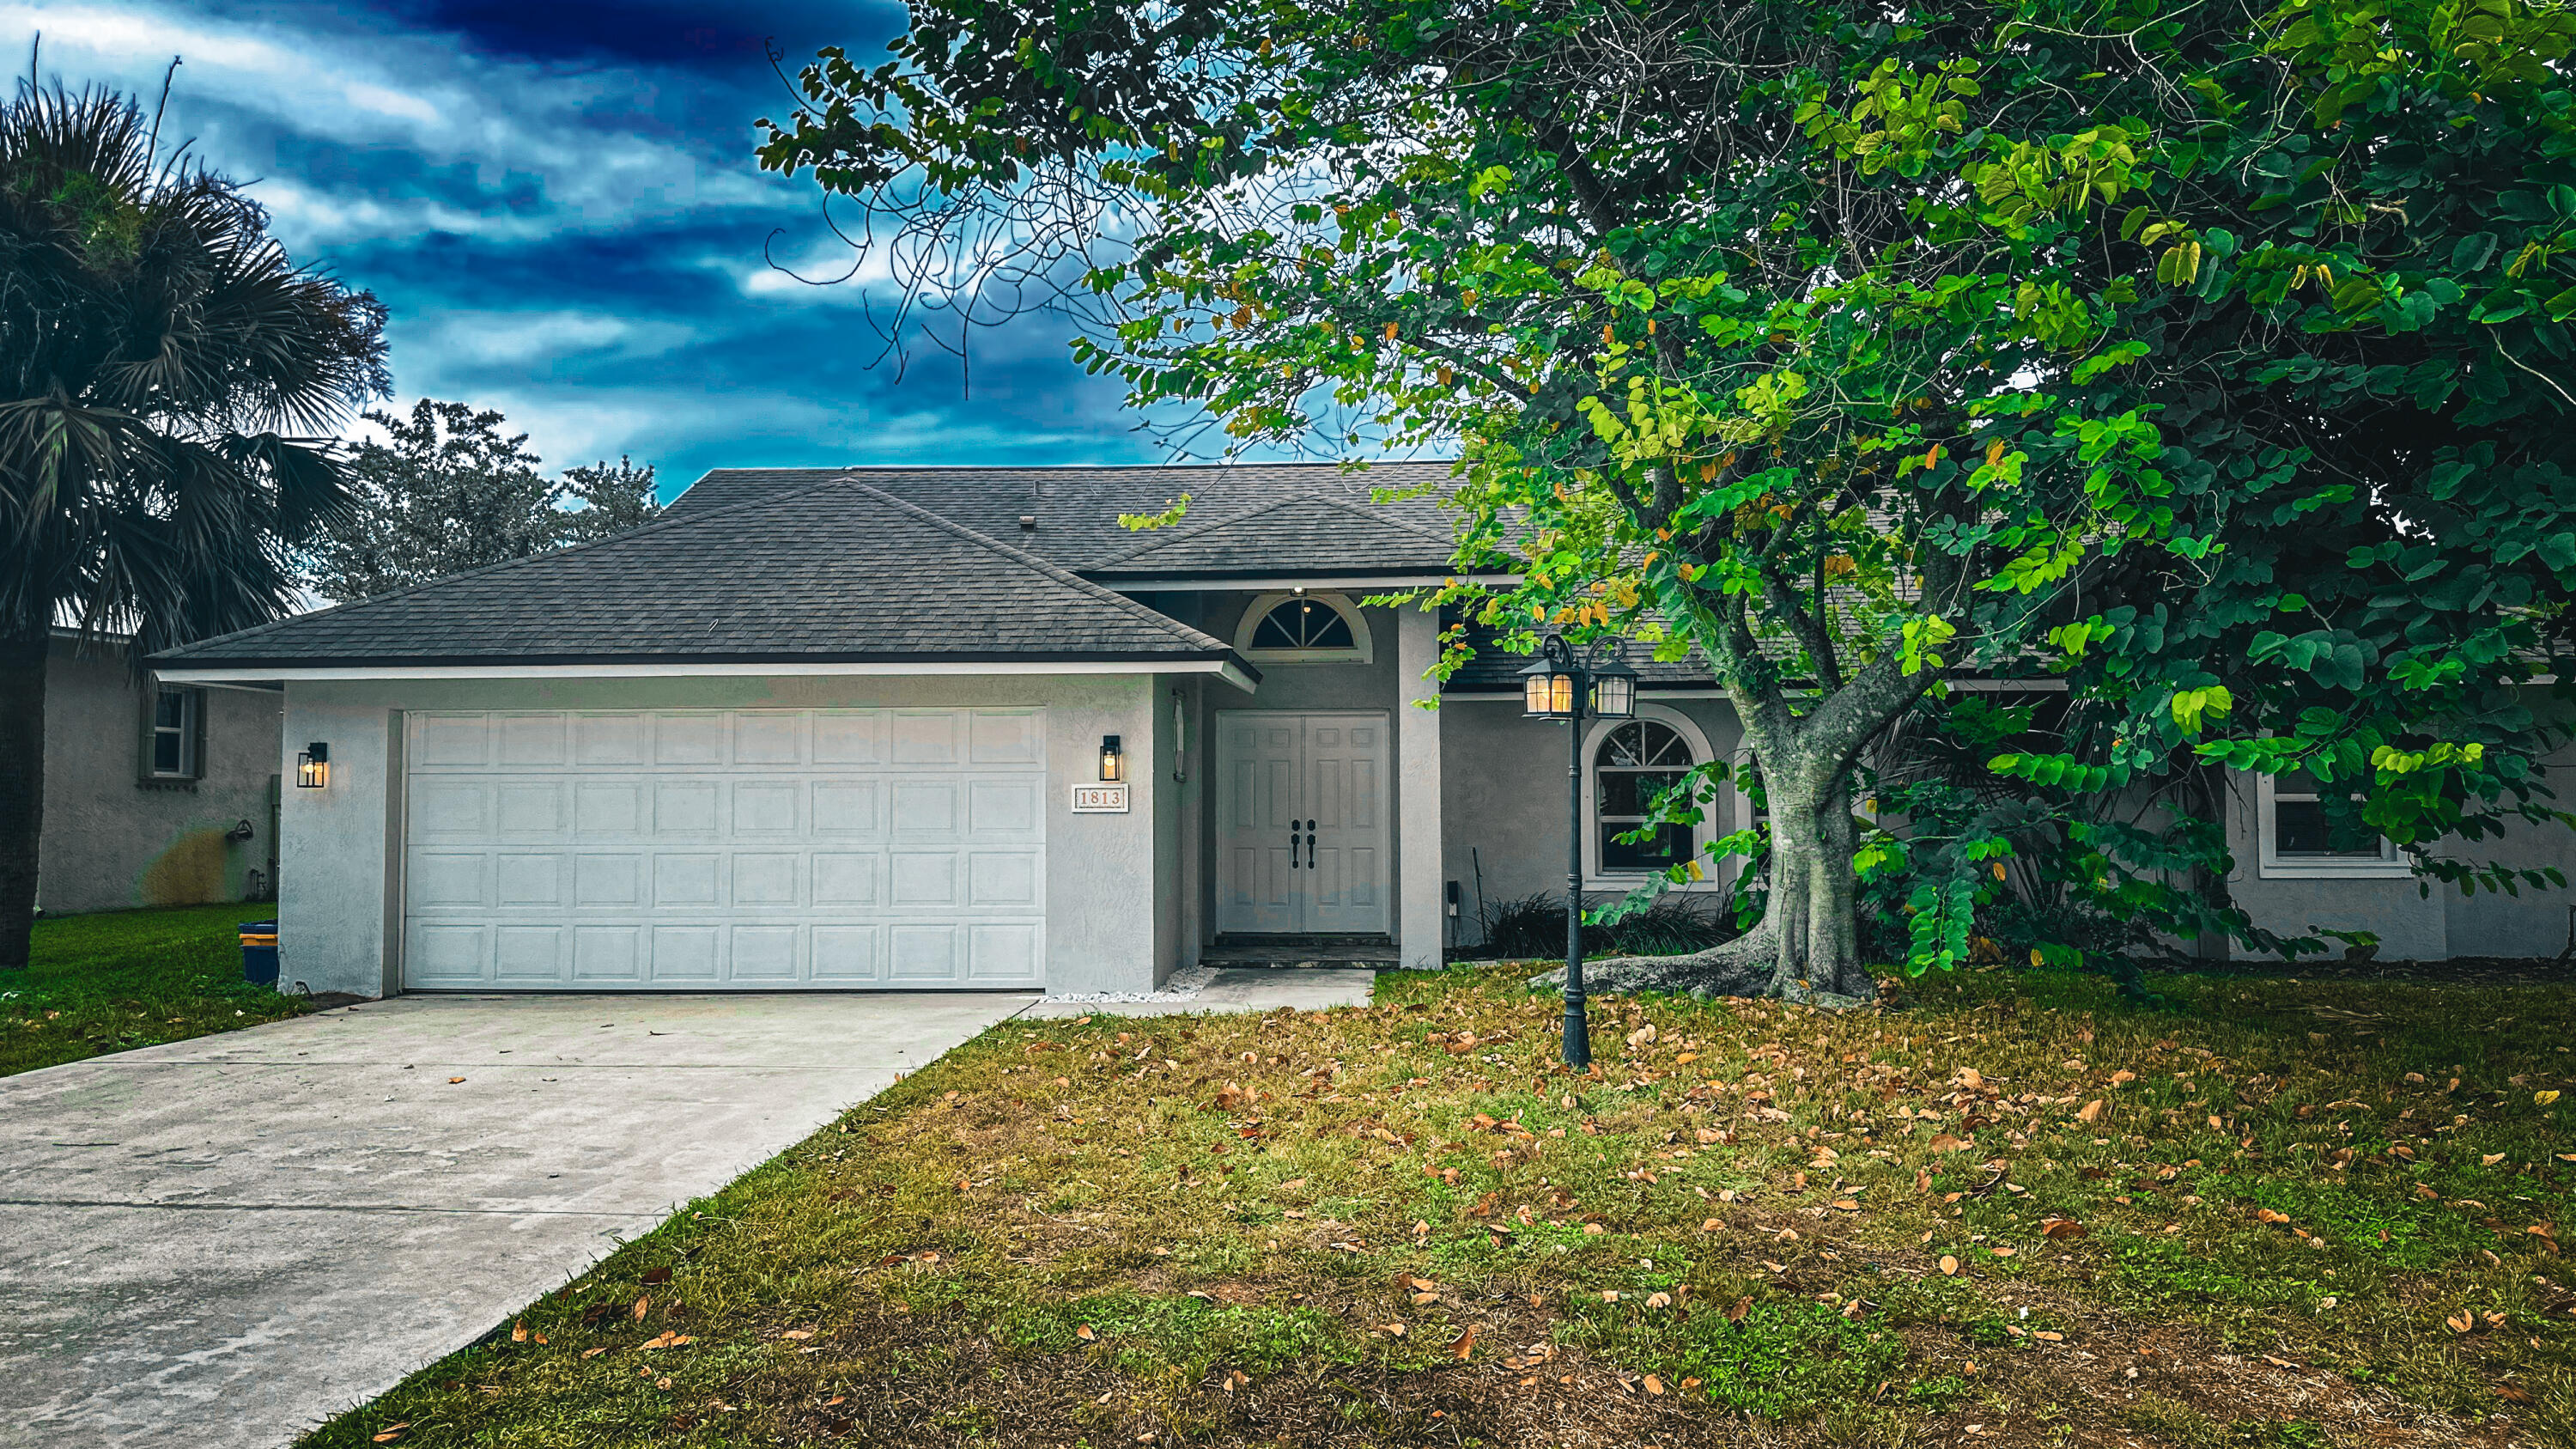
point(506, 123)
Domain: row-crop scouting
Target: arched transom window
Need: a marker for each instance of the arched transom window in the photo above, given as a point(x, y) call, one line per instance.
point(1633, 764)
point(1303, 628)
point(1302, 623)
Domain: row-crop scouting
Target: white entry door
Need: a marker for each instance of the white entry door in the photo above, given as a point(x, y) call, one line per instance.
point(1301, 822)
point(724, 849)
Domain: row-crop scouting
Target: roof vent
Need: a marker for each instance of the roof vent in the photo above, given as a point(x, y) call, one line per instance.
point(1028, 523)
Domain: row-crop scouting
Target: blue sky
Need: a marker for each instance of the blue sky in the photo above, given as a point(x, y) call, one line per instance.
point(559, 205)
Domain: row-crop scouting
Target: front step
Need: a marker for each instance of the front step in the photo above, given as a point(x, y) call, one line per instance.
point(1239, 952)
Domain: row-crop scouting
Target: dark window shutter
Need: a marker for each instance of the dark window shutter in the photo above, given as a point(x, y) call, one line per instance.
point(197, 703)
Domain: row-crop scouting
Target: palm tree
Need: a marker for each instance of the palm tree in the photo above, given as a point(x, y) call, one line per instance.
point(168, 382)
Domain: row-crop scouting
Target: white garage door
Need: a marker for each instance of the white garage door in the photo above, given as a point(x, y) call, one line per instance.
point(731, 849)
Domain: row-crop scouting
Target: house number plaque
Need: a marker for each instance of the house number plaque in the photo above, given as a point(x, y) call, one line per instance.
point(1100, 799)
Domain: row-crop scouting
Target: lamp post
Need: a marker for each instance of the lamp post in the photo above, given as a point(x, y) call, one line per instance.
point(1563, 686)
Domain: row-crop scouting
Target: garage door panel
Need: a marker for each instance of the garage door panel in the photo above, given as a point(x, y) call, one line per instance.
point(531, 739)
point(607, 953)
point(449, 955)
point(924, 878)
point(688, 739)
point(1002, 737)
point(845, 956)
point(849, 737)
point(922, 954)
point(845, 879)
point(459, 809)
point(1002, 955)
point(609, 741)
point(530, 808)
point(684, 809)
point(607, 809)
point(685, 880)
point(1002, 878)
point(453, 739)
point(528, 880)
point(688, 955)
point(925, 807)
point(766, 808)
point(847, 807)
point(447, 878)
point(926, 736)
point(765, 955)
point(607, 880)
point(528, 955)
point(1000, 808)
point(766, 880)
point(709, 849)
point(769, 739)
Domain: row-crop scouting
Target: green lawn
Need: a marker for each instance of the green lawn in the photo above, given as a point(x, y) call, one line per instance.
point(2015, 1211)
point(119, 979)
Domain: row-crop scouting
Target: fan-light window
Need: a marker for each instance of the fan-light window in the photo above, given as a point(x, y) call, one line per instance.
point(1303, 624)
point(1634, 764)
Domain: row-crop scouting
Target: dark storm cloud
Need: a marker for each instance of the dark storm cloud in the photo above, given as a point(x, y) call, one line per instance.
point(560, 207)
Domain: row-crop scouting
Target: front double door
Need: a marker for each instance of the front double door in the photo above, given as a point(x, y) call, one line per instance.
point(1301, 822)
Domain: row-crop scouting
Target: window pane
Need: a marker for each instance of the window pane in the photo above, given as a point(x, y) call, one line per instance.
point(2299, 827)
point(1663, 746)
point(1669, 845)
point(170, 709)
point(1273, 633)
point(165, 752)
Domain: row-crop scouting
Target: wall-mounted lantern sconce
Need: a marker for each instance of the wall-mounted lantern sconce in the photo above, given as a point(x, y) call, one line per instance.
point(1113, 760)
point(313, 767)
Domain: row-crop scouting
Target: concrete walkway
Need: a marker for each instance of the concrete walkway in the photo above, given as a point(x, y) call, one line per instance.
point(222, 1242)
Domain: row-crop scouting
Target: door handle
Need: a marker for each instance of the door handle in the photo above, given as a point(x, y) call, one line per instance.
point(1292, 845)
point(1310, 845)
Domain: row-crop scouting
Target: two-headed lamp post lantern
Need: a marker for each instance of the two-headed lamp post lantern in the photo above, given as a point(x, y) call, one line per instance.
point(1560, 686)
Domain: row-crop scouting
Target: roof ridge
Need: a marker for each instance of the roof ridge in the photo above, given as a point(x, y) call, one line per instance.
point(1169, 540)
point(1052, 572)
point(659, 524)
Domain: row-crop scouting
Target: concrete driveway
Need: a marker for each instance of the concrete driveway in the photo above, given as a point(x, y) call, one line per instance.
point(222, 1242)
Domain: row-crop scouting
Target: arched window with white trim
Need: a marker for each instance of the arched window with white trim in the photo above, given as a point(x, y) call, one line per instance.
point(1629, 763)
point(1303, 628)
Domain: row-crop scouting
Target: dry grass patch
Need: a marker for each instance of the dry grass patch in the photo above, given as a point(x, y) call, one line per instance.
point(2012, 1211)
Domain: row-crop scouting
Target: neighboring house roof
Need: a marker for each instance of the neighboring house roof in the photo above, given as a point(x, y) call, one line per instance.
point(1073, 513)
point(832, 572)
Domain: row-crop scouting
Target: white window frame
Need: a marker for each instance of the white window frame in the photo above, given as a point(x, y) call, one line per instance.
point(1595, 732)
point(189, 729)
point(1362, 650)
point(2272, 865)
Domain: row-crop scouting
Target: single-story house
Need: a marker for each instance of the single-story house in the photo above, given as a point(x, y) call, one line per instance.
point(921, 728)
point(156, 793)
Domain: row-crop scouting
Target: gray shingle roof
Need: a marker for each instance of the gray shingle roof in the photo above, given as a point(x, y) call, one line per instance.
point(834, 571)
point(1320, 530)
point(1076, 509)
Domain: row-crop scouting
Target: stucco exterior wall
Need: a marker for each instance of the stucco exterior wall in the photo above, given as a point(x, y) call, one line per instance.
point(111, 842)
point(1504, 791)
point(338, 922)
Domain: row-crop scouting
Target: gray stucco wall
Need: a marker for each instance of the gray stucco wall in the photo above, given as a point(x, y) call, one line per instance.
point(1504, 787)
point(110, 841)
point(2418, 920)
point(337, 922)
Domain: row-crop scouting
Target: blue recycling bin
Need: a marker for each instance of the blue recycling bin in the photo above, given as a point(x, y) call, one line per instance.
point(259, 952)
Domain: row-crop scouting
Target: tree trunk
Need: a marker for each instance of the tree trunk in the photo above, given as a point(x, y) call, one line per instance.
point(22, 786)
point(1807, 946)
